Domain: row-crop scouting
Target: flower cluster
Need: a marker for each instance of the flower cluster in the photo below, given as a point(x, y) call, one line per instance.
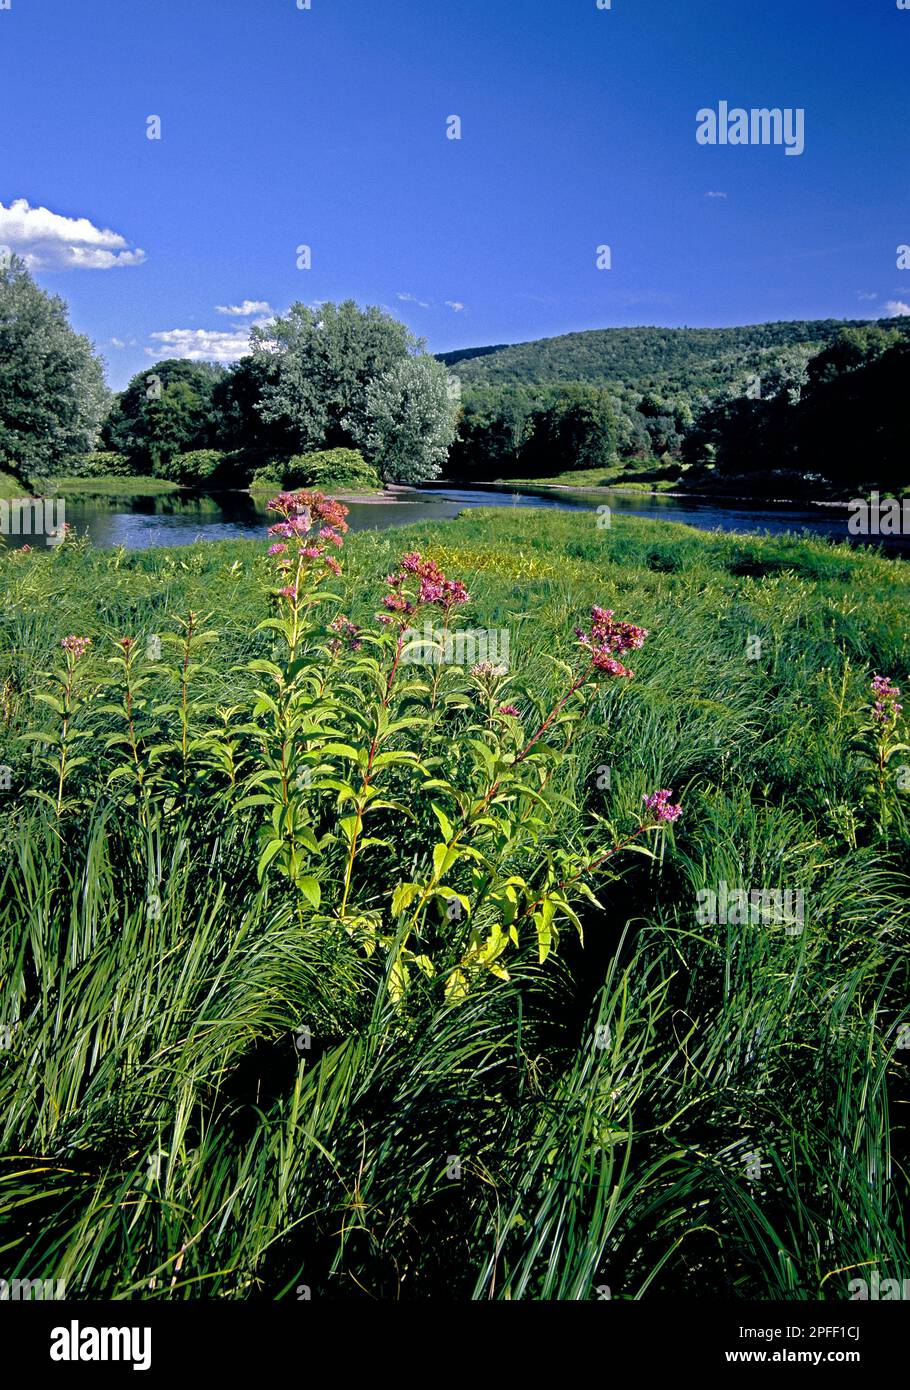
point(76, 647)
point(607, 639)
point(348, 634)
point(302, 511)
point(885, 709)
point(433, 588)
point(658, 803)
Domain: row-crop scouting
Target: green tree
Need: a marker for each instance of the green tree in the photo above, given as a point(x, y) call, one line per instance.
point(317, 366)
point(52, 392)
point(165, 411)
point(575, 430)
point(410, 415)
point(237, 401)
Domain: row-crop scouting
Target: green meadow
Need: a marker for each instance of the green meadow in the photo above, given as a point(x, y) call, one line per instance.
point(219, 1079)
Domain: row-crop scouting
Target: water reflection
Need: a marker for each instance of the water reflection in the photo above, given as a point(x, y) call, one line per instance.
point(179, 519)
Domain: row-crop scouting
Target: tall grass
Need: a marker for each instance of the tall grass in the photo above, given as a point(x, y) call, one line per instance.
point(214, 1099)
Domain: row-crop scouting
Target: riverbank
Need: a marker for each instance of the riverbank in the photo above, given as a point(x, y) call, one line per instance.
point(642, 490)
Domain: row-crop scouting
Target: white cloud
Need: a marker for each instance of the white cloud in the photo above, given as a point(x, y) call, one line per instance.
point(714, 194)
point(412, 299)
point(866, 297)
point(454, 305)
point(202, 344)
point(246, 309)
point(896, 308)
point(117, 343)
point(49, 241)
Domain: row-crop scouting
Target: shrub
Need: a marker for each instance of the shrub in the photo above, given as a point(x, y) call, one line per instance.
point(200, 466)
point(268, 475)
point(331, 468)
point(103, 464)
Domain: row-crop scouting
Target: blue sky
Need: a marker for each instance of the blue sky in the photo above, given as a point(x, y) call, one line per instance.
point(327, 127)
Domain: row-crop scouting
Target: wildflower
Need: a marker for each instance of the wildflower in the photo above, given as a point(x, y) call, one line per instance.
point(348, 632)
point(435, 588)
point(127, 643)
point(454, 592)
point(328, 533)
point(885, 709)
point(607, 639)
point(76, 646)
point(509, 709)
point(25, 549)
point(397, 603)
point(604, 662)
point(289, 591)
point(329, 511)
point(658, 804)
point(278, 549)
point(333, 564)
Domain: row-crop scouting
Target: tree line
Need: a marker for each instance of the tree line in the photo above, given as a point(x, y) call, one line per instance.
point(346, 395)
point(335, 379)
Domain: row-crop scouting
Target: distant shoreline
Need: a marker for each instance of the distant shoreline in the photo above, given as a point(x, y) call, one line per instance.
point(654, 492)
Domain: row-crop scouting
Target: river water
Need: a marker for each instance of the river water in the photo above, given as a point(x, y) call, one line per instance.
point(180, 519)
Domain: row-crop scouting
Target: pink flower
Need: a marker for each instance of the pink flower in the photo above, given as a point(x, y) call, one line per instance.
point(289, 591)
point(76, 646)
point(885, 709)
point(658, 804)
point(348, 631)
point(607, 639)
point(509, 709)
point(278, 549)
point(435, 588)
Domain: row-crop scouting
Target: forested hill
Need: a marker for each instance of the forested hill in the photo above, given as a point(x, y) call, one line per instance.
point(687, 361)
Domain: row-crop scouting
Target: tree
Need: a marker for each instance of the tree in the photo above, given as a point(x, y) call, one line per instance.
point(165, 411)
point(493, 428)
point(319, 363)
point(237, 401)
point(52, 392)
point(410, 415)
point(575, 431)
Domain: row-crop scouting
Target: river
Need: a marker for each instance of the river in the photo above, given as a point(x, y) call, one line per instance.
point(181, 518)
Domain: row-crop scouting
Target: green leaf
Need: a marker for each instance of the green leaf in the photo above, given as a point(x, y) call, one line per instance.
point(445, 824)
point(403, 896)
point(543, 921)
point(310, 889)
point(443, 859)
point(266, 857)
